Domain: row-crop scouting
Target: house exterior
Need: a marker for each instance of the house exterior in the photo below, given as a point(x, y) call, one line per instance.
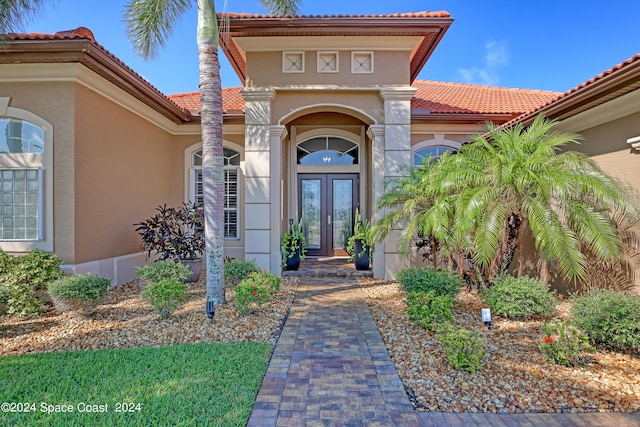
point(330, 107)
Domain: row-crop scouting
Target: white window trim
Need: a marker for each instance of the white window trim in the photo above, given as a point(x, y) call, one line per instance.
point(320, 61)
point(355, 69)
point(43, 162)
point(286, 61)
point(438, 141)
point(190, 171)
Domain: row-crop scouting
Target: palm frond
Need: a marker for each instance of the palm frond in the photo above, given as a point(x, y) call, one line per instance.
point(16, 14)
point(149, 23)
point(282, 7)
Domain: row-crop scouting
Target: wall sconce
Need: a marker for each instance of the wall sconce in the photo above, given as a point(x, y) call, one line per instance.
point(486, 317)
point(634, 142)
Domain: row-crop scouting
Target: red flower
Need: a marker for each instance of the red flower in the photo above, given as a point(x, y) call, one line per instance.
point(547, 339)
point(255, 294)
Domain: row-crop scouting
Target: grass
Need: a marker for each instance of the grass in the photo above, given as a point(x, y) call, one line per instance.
point(203, 384)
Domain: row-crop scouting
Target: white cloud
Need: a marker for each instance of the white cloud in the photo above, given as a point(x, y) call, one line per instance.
point(497, 56)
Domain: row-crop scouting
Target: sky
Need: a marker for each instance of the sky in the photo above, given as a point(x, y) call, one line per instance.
point(547, 45)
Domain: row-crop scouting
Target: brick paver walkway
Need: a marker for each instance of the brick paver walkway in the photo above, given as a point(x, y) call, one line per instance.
point(330, 367)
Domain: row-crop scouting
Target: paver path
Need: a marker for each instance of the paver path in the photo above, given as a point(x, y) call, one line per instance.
point(330, 367)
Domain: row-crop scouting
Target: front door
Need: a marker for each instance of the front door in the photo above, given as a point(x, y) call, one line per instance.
point(327, 203)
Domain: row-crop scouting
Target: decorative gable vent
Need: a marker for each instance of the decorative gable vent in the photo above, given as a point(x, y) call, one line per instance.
point(293, 62)
point(327, 62)
point(361, 62)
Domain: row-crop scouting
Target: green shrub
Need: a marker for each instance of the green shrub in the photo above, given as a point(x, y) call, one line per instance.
point(84, 287)
point(236, 270)
point(429, 280)
point(255, 290)
point(520, 297)
point(20, 278)
point(166, 296)
point(427, 310)
point(465, 348)
point(610, 318)
point(164, 270)
point(562, 343)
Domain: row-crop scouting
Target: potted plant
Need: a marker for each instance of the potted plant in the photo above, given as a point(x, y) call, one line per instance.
point(360, 244)
point(177, 234)
point(293, 246)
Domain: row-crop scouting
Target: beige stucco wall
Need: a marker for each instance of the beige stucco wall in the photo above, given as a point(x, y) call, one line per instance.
point(124, 168)
point(287, 103)
point(54, 102)
point(606, 144)
point(265, 69)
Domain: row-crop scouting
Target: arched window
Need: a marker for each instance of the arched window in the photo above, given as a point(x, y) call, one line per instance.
point(23, 141)
point(328, 150)
point(430, 151)
point(231, 189)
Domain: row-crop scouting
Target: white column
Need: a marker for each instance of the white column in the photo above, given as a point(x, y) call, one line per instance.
point(258, 181)
point(376, 134)
point(397, 153)
point(278, 134)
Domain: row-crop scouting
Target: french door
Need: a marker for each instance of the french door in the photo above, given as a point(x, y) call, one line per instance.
point(327, 203)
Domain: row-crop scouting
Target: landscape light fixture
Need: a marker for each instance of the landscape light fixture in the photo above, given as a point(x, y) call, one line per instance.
point(486, 317)
point(211, 310)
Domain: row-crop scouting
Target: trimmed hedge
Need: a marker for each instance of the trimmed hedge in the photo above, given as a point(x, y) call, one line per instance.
point(610, 318)
point(520, 297)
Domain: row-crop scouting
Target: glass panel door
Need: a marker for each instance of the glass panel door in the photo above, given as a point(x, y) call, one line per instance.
point(311, 190)
point(342, 212)
point(328, 203)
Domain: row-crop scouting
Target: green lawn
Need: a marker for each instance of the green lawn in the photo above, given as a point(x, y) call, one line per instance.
point(204, 384)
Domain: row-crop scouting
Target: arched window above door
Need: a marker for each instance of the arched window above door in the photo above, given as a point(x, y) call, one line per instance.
point(327, 151)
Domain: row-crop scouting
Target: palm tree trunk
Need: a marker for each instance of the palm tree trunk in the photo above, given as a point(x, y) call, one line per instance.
point(212, 153)
point(510, 243)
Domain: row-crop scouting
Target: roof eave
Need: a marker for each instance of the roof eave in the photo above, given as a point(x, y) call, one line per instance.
point(97, 59)
point(589, 94)
point(302, 25)
point(461, 118)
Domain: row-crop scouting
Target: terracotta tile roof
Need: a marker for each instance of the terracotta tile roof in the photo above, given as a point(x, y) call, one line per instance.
point(612, 83)
point(78, 33)
point(232, 101)
point(458, 98)
point(423, 14)
point(431, 97)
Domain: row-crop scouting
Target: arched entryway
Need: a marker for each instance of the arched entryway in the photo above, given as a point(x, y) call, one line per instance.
point(327, 178)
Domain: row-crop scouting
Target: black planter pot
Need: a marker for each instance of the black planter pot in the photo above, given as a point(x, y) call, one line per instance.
point(293, 263)
point(361, 257)
point(195, 267)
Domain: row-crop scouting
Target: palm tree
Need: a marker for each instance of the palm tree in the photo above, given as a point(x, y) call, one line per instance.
point(510, 178)
point(149, 24)
point(425, 210)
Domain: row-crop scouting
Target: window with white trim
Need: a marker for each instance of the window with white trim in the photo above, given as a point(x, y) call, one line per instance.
point(432, 152)
point(22, 189)
point(231, 189)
